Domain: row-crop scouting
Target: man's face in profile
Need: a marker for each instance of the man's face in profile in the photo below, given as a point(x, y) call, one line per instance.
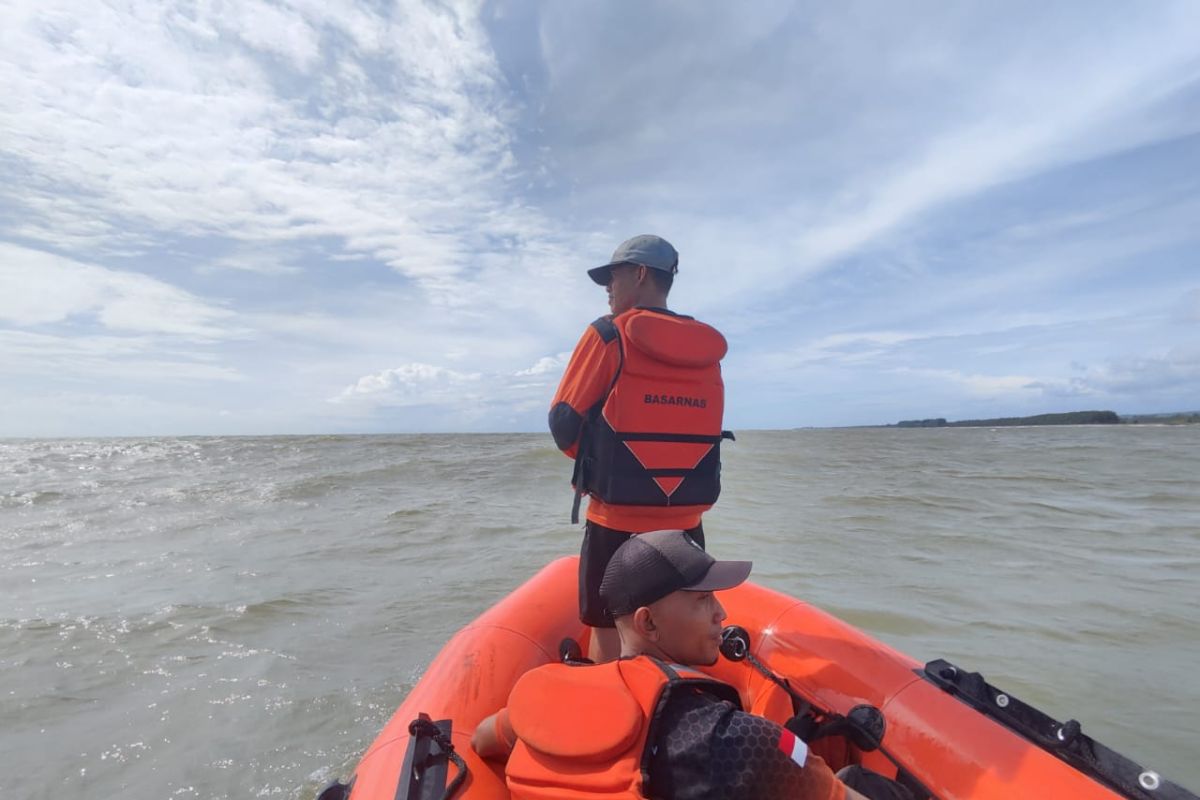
point(622, 287)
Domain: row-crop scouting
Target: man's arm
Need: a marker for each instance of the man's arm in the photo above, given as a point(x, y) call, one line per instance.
point(586, 379)
point(743, 756)
point(494, 736)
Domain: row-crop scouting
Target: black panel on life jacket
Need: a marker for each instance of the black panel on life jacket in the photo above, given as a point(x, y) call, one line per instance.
point(634, 485)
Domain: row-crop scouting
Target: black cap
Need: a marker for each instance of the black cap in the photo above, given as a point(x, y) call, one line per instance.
point(649, 566)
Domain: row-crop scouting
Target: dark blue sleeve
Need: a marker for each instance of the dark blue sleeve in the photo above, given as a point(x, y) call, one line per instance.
point(585, 381)
point(565, 423)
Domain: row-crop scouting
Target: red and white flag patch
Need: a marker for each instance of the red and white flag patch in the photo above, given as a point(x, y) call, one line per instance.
point(793, 746)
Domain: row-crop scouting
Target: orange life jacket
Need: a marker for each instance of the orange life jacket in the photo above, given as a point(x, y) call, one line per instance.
point(655, 438)
point(582, 730)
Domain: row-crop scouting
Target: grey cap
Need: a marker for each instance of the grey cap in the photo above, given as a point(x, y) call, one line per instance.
point(649, 566)
point(646, 250)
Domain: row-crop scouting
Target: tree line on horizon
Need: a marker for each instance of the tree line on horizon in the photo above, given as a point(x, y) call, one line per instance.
point(1068, 418)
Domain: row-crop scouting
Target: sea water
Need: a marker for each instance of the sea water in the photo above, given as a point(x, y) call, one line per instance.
point(238, 617)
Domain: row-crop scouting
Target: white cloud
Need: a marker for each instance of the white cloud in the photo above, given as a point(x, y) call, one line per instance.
point(1174, 373)
point(344, 186)
point(108, 359)
point(38, 287)
point(268, 28)
point(460, 397)
point(979, 385)
point(878, 123)
point(851, 348)
point(410, 385)
point(115, 412)
point(257, 259)
point(1054, 122)
point(258, 123)
point(1188, 308)
point(547, 365)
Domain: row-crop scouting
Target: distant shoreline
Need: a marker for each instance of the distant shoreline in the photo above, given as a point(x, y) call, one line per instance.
point(1067, 418)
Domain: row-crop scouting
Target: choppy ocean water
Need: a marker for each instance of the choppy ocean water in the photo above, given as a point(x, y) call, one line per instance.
point(238, 617)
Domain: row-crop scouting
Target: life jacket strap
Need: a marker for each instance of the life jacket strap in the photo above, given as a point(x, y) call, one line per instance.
point(697, 438)
point(579, 490)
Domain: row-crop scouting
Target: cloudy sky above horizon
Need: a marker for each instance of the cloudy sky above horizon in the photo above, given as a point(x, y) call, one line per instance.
point(299, 216)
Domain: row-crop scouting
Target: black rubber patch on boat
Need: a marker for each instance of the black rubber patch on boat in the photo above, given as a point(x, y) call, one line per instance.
point(1065, 740)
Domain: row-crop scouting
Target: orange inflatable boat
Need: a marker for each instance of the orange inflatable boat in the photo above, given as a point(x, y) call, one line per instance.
point(945, 733)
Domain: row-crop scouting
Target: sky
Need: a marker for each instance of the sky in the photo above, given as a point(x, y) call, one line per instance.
point(308, 216)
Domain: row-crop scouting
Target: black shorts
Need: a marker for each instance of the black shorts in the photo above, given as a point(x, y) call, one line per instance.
point(599, 544)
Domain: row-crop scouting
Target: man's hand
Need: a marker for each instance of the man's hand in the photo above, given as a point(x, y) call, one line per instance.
point(494, 737)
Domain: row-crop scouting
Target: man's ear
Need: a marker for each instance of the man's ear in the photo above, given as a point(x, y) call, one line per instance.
point(643, 623)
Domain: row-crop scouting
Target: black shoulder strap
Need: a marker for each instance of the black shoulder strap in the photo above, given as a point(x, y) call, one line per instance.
point(718, 688)
point(606, 328)
point(666, 668)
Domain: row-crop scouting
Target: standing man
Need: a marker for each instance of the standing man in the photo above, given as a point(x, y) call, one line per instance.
point(639, 408)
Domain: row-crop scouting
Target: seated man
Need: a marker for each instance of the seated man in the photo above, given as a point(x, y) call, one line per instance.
point(647, 726)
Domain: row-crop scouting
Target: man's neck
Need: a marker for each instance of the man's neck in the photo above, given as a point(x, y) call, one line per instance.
point(652, 300)
point(645, 649)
